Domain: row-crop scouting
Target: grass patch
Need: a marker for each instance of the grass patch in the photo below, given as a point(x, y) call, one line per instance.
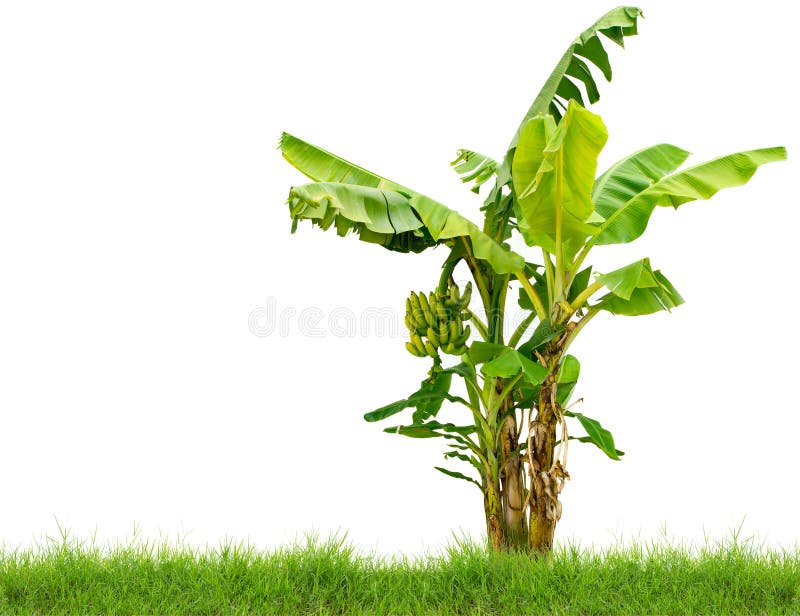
point(330, 577)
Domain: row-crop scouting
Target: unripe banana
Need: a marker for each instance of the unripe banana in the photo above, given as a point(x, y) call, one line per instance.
point(455, 330)
point(444, 333)
point(419, 323)
point(436, 322)
point(441, 312)
point(434, 339)
point(430, 349)
point(463, 337)
point(417, 342)
point(416, 310)
point(413, 350)
point(426, 309)
point(466, 296)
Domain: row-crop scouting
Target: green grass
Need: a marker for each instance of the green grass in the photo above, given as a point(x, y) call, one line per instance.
point(330, 577)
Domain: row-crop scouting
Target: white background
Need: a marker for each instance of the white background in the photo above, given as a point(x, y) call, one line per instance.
point(142, 221)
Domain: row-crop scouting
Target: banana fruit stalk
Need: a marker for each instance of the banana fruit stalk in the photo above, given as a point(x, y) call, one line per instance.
point(436, 322)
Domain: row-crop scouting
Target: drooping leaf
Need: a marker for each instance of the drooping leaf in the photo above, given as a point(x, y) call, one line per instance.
point(623, 281)
point(427, 399)
point(637, 289)
point(349, 197)
point(431, 398)
point(378, 216)
point(436, 389)
point(588, 439)
point(388, 410)
point(627, 220)
point(557, 203)
point(462, 369)
point(430, 429)
point(457, 475)
point(472, 166)
point(465, 458)
point(644, 300)
point(511, 363)
point(597, 434)
point(322, 166)
point(414, 431)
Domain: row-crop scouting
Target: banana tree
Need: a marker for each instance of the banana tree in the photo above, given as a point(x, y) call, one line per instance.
point(518, 420)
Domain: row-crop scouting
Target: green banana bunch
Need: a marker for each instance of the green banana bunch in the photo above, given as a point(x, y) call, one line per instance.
point(440, 319)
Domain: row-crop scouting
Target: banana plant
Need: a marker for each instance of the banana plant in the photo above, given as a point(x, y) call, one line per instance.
point(518, 417)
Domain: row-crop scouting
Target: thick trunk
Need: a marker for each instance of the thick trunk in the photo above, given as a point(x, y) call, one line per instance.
point(512, 522)
point(513, 487)
point(504, 500)
point(547, 474)
point(492, 505)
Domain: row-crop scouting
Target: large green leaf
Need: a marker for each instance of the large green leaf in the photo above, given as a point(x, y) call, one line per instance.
point(627, 214)
point(637, 289)
point(559, 88)
point(529, 154)
point(349, 197)
point(597, 434)
point(556, 202)
point(472, 166)
point(511, 363)
point(628, 177)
